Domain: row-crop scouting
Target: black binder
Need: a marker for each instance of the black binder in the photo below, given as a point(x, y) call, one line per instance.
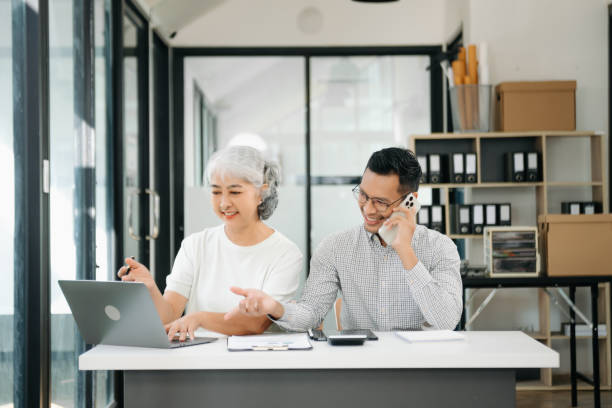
point(464, 219)
point(423, 163)
point(436, 163)
point(423, 216)
point(437, 218)
point(491, 214)
point(504, 216)
point(533, 164)
point(478, 219)
point(515, 167)
point(590, 207)
point(571, 207)
point(471, 168)
point(456, 168)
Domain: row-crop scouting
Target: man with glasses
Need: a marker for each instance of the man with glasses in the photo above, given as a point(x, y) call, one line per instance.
point(410, 283)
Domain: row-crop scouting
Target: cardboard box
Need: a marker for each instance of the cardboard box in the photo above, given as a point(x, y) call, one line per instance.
point(525, 106)
point(574, 245)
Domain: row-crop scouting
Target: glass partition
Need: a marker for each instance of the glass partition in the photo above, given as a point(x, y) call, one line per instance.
point(7, 207)
point(359, 105)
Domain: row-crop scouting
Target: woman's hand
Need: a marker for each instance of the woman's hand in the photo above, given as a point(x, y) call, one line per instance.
point(255, 303)
point(137, 273)
point(183, 326)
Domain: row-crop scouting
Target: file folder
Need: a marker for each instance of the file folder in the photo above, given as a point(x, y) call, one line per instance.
point(504, 214)
point(423, 163)
point(464, 219)
point(590, 208)
point(423, 216)
point(456, 168)
point(490, 214)
point(470, 168)
point(572, 208)
point(515, 167)
point(532, 166)
point(477, 218)
point(435, 169)
point(437, 218)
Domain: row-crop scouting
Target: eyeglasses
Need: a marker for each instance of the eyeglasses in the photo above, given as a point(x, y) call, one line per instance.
point(380, 205)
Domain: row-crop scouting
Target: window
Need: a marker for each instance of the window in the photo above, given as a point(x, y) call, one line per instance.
point(7, 206)
point(359, 105)
point(78, 212)
point(205, 134)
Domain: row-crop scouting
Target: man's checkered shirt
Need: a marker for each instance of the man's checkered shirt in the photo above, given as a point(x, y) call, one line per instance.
point(378, 292)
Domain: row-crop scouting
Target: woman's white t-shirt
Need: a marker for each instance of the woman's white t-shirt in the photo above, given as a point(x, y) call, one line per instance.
point(208, 264)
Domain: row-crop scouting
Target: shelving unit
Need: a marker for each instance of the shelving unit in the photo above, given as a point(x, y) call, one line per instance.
point(489, 149)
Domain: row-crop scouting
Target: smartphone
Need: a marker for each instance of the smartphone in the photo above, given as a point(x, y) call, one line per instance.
point(317, 335)
point(368, 333)
point(388, 234)
point(336, 338)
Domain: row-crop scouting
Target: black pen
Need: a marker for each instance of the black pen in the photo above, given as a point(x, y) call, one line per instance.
point(128, 267)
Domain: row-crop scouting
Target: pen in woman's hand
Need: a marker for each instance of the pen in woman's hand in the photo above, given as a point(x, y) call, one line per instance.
point(128, 267)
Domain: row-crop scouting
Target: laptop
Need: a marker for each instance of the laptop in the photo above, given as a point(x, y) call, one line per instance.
point(119, 313)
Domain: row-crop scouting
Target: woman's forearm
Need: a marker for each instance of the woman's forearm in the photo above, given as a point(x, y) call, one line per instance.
point(238, 325)
point(164, 307)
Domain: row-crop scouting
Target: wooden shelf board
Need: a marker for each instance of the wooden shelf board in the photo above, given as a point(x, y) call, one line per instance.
point(465, 236)
point(516, 185)
point(572, 133)
point(557, 336)
point(501, 135)
point(510, 184)
point(560, 383)
point(483, 185)
point(540, 386)
point(574, 183)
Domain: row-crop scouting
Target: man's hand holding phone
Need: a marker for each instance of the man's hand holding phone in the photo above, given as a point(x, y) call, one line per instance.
point(405, 225)
point(399, 229)
point(255, 303)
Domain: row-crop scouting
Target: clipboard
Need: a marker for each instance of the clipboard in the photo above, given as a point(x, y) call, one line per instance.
point(269, 342)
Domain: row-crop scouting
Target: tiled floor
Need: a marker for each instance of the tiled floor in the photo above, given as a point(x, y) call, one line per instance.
point(554, 399)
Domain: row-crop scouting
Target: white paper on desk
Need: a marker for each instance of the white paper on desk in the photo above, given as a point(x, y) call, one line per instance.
point(430, 335)
point(293, 341)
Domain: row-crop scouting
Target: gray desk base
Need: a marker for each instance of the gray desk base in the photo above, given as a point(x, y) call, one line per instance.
point(328, 388)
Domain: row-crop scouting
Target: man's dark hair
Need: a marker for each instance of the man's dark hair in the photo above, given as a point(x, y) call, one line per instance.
point(396, 160)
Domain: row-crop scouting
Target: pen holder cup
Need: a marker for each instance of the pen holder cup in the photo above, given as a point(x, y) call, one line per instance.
point(471, 107)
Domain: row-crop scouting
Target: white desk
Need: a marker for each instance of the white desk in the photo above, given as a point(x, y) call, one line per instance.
point(479, 371)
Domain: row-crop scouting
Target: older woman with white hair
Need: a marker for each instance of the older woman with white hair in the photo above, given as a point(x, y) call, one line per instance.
point(243, 251)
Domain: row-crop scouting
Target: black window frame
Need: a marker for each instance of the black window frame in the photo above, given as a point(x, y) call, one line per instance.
point(31, 327)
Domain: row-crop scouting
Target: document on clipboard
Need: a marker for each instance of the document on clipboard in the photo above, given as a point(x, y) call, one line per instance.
point(269, 342)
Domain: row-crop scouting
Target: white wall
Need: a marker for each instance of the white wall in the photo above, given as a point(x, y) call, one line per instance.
point(344, 22)
point(530, 41)
point(456, 17)
point(548, 40)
